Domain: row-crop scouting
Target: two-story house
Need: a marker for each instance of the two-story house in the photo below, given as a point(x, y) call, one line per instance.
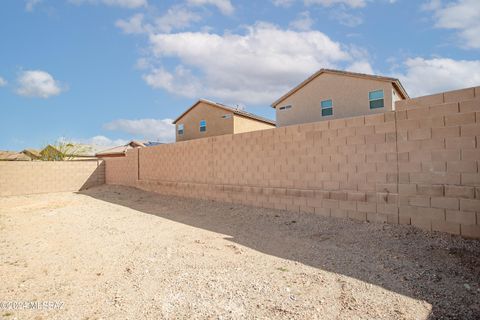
point(206, 119)
point(331, 94)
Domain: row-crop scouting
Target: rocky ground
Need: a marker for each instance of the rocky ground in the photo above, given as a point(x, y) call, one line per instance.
point(120, 253)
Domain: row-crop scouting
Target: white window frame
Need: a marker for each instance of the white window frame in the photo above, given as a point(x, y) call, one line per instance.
point(326, 108)
point(370, 100)
point(181, 127)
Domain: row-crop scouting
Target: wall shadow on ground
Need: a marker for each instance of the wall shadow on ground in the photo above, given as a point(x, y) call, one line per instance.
point(402, 259)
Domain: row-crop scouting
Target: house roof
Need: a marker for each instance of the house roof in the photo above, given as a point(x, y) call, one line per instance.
point(115, 150)
point(79, 150)
point(395, 82)
point(227, 108)
point(123, 149)
point(13, 156)
point(32, 152)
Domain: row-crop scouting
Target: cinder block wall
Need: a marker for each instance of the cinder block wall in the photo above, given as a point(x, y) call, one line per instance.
point(417, 165)
point(122, 170)
point(29, 177)
point(439, 153)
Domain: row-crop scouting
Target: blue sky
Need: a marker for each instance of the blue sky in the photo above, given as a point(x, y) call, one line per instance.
point(107, 71)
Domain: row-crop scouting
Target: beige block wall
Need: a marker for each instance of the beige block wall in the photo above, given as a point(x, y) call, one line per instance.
point(332, 168)
point(216, 125)
point(29, 177)
point(417, 165)
point(439, 154)
point(349, 96)
point(440, 98)
point(122, 170)
point(242, 124)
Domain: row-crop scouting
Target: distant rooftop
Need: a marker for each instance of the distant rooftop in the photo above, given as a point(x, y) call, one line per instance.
point(131, 145)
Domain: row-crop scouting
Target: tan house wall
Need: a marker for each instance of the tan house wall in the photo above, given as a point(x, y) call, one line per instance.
point(216, 125)
point(29, 177)
point(349, 96)
point(417, 165)
point(242, 124)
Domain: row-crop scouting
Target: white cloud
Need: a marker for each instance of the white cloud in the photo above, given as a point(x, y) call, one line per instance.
point(117, 3)
point(361, 67)
point(3, 82)
point(93, 144)
point(149, 129)
point(325, 3)
point(303, 22)
point(225, 6)
point(432, 5)
point(102, 141)
point(30, 4)
point(132, 25)
point(461, 15)
point(181, 81)
point(428, 76)
point(37, 83)
point(254, 67)
point(176, 17)
point(329, 3)
point(283, 3)
point(347, 19)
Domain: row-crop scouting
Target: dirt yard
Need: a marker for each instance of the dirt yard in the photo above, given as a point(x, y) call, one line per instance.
point(121, 253)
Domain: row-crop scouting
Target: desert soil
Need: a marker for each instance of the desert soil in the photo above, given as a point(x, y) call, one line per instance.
point(121, 253)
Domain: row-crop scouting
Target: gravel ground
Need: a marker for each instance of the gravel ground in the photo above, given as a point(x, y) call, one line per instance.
point(117, 252)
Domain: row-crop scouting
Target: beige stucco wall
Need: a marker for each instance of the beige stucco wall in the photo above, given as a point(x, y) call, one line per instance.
point(349, 96)
point(242, 124)
point(216, 125)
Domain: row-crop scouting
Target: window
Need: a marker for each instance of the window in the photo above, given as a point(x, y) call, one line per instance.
point(285, 107)
point(180, 129)
point(327, 108)
point(203, 126)
point(376, 99)
point(227, 116)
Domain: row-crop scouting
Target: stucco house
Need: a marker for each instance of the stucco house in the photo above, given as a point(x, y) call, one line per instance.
point(13, 156)
point(67, 151)
point(206, 119)
point(32, 154)
point(331, 94)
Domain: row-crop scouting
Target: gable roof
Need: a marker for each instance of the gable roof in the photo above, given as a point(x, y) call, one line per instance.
point(241, 113)
point(115, 150)
point(395, 82)
point(13, 156)
point(32, 153)
point(131, 145)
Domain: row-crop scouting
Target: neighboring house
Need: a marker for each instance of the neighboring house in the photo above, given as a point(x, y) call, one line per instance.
point(67, 152)
point(13, 156)
point(331, 94)
point(32, 154)
point(206, 119)
point(25, 155)
point(121, 151)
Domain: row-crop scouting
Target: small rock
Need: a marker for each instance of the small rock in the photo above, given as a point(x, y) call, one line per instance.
point(467, 286)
